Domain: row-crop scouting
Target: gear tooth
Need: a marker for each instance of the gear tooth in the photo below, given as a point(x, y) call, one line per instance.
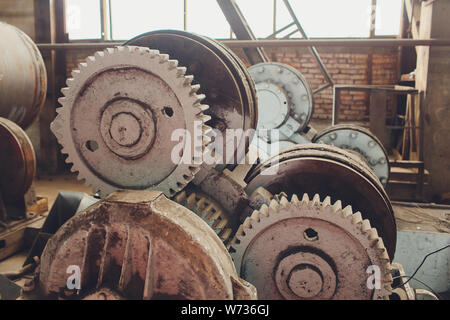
point(366, 226)
point(191, 200)
point(61, 101)
point(99, 55)
point(163, 58)
point(82, 65)
point(173, 64)
point(204, 118)
point(284, 202)
point(69, 82)
point(373, 234)
point(226, 234)
point(264, 210)
point(109, 51)
point(384, 255)
point(337, 206)
point(75, 73)
point(188, 80)
point(181, 71)
point(274, 205)
point(255, 216)
point(180, 197)
point(316, 200)
point(247, 224)
point(357, 218)
point(66, 90)
point(326, 202)
point(305, 199)
point(347, 211)
point(295, 200)
point(202, 107)
point(194, 89)
point(199, 98)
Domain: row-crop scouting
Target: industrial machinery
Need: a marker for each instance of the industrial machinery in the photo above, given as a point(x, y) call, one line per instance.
point(23, 78)
point(19, 205)
point(118, 115)
point(138, 245)
point(362, 142)
point(227, 85)
point(116, 122)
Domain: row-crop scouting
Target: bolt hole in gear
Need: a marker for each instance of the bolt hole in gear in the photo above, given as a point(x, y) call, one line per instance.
point(117, 117)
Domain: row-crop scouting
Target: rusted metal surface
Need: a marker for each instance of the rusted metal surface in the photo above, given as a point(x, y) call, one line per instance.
point(23, 78)
point(228, 88)
point(327, 170)
point(308, 249)
point(18, 162)
point(140, 245)
point(119, 114)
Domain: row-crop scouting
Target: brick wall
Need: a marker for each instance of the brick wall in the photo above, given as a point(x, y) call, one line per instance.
point(346, 66)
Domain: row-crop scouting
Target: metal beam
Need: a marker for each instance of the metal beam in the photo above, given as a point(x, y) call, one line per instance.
point(242, 30)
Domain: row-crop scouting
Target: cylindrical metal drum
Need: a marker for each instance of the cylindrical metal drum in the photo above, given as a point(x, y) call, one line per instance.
point(23, 78)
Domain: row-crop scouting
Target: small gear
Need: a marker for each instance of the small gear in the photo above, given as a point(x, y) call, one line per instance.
point(209, 210)
point(119, 113)
point(310, 249)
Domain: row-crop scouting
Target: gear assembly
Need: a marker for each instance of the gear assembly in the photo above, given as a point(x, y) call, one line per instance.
point(307, 219)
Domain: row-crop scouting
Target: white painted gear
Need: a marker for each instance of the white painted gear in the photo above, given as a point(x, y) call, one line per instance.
point(209, 210)
point(117, 117)
point(310, 249)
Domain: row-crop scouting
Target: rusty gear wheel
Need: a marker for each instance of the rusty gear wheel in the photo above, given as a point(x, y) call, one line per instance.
point(139, 245)
point(310, 250)
point(118, 115)
point(209, 210)
point(17, 161)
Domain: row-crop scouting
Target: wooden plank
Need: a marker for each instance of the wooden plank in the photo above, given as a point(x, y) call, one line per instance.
point(378, 112)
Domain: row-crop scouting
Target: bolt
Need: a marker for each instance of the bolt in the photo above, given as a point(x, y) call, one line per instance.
point(333, 136)
point(382, 160)
point(304, 97)
point(372, 144)
point(261, 70)
point(353, 135)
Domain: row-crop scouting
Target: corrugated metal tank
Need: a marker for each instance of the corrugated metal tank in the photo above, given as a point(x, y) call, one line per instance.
point(23, 78)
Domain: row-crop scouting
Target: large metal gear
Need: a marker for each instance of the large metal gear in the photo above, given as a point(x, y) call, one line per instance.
point(17, 162)
point(138, 245)
point(328, 170)
point(310, 249)
point(285, 100)
point(362, 141)
point(118, 115)
point(209, 210)
point(228, 87)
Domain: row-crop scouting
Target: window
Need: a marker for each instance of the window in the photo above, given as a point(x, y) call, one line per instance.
point(388, 17)
point(259, 16)
point(130, 18)
point(125, 19)
point(83, 19)
point(206, 18)
point(330, 18)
